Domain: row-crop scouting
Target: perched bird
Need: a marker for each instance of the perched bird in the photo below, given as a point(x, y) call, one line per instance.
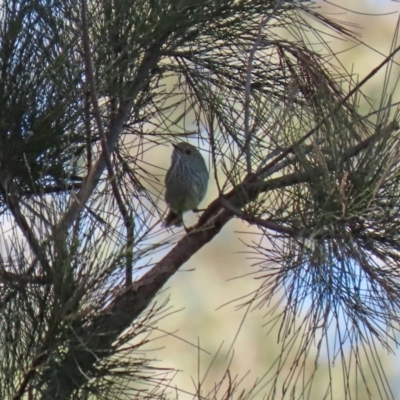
point(186, 182)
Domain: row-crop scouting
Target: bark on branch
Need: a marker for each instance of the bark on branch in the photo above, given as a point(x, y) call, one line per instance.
point(94, 340)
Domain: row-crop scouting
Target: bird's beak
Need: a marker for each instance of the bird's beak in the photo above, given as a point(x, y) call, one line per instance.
point(175, 146)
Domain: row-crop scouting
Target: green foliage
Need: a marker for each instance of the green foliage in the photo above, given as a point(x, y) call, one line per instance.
point(89, 92)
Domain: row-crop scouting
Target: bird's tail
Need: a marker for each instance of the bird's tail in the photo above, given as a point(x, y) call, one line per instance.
point(173, 219)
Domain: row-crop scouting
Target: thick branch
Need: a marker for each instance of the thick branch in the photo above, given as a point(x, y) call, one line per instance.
point(94, 342)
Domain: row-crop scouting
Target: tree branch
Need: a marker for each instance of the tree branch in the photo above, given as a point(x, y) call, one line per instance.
point(320, 123)
point(94, 341)
point(21, 221)
point(90, 182)
point(253, 220)
point(7, 277)
point(105, 150)
point(249, 69)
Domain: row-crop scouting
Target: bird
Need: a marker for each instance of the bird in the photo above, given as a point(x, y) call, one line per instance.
point(186, 182)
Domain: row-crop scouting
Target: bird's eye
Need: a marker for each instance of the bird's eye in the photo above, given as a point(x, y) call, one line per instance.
point(187, 151)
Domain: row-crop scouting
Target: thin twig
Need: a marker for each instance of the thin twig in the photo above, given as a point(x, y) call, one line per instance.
point(251, 219)
point(88, 133)
point(285, 163)
point(7, 277)
point(247, 132)
point(25, 228)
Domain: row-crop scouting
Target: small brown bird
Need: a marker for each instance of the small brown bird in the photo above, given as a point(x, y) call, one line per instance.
point(186, 182)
